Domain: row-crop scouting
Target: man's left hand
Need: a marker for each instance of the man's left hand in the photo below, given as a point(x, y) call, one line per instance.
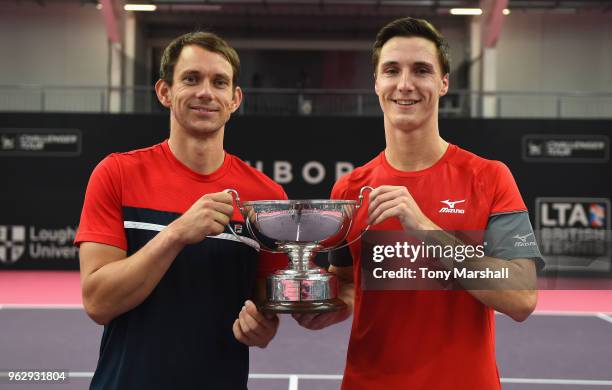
point(396, 201)
point(254, 328)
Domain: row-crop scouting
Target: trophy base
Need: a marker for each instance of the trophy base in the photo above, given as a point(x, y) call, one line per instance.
point(312, 290)
point(322, 306)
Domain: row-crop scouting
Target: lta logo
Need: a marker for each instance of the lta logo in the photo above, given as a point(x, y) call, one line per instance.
point(12, 243)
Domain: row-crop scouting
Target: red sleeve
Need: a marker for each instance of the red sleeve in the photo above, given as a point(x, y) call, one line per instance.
point(341, 257)
point(340, 188)
point(102, 215)
point(272, 262)
point(506, 197)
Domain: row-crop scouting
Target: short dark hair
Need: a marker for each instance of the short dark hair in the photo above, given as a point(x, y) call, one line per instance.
point(411, 27)
point(204, 39)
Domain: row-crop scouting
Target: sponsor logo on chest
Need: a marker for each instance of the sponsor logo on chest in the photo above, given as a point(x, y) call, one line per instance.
point(450, 207)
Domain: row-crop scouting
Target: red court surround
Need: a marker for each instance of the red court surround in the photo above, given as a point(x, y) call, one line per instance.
point(40, 288)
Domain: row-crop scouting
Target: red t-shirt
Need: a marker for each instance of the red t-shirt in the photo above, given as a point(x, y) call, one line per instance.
point(433, 340)
point(185, 323)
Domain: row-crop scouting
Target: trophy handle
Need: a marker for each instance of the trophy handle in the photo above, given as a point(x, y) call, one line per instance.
point(361, 197)
point(236, 197)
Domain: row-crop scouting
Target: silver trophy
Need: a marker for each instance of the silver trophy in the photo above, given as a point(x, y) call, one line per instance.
point(301, 229)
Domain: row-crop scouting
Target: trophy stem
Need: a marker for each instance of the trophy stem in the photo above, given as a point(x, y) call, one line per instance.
point(300, 254)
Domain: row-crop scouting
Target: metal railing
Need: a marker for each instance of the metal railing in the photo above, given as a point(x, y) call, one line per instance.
point(268, 101)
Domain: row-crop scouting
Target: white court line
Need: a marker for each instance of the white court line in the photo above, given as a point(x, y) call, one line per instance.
point(563, 313)
point(80, 374)
point(534, 381)
point(604, 317)
point(269, 376)
point(294, 378)
point(299, 376)
point(567, 313)
point(293, 382)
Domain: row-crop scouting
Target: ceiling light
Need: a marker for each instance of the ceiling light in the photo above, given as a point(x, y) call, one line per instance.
point(466, 11)
point(506, 11)
point(140, 7)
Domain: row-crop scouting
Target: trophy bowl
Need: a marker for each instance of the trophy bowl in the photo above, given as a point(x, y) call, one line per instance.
point(300, 229)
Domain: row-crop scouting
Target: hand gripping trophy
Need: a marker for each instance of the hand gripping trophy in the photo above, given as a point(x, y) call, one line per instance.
point(301, 229)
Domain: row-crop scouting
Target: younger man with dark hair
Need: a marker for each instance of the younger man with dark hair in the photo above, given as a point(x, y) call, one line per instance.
point(429, 340)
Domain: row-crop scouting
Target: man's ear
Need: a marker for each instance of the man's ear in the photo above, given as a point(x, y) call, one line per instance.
point(162, 89)
point(236, 99)
point(444, 88)
point(375, 84)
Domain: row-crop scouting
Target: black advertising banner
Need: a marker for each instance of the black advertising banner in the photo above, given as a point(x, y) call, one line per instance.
point(562, 169)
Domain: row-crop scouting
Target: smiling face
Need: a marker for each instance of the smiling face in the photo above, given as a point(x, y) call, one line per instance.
point(409, 82)
point(201, 98)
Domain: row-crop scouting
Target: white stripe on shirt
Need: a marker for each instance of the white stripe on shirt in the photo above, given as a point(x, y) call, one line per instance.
point(223, 236)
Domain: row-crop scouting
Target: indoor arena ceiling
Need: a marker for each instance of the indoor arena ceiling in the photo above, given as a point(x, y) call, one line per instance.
point(315, 18)
point(432, 6)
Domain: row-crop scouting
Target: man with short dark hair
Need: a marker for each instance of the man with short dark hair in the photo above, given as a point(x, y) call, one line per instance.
point(159, 267)
point(430, 340)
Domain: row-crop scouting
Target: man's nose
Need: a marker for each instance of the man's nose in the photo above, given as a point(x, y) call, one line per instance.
point(406, 82)
point(204, 90)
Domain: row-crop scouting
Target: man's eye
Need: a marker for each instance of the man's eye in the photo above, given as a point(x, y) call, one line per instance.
point(391, 71)
point(221, 83)
point(189, 79)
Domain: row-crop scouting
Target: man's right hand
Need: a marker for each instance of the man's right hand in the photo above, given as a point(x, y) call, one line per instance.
point(206, 217)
